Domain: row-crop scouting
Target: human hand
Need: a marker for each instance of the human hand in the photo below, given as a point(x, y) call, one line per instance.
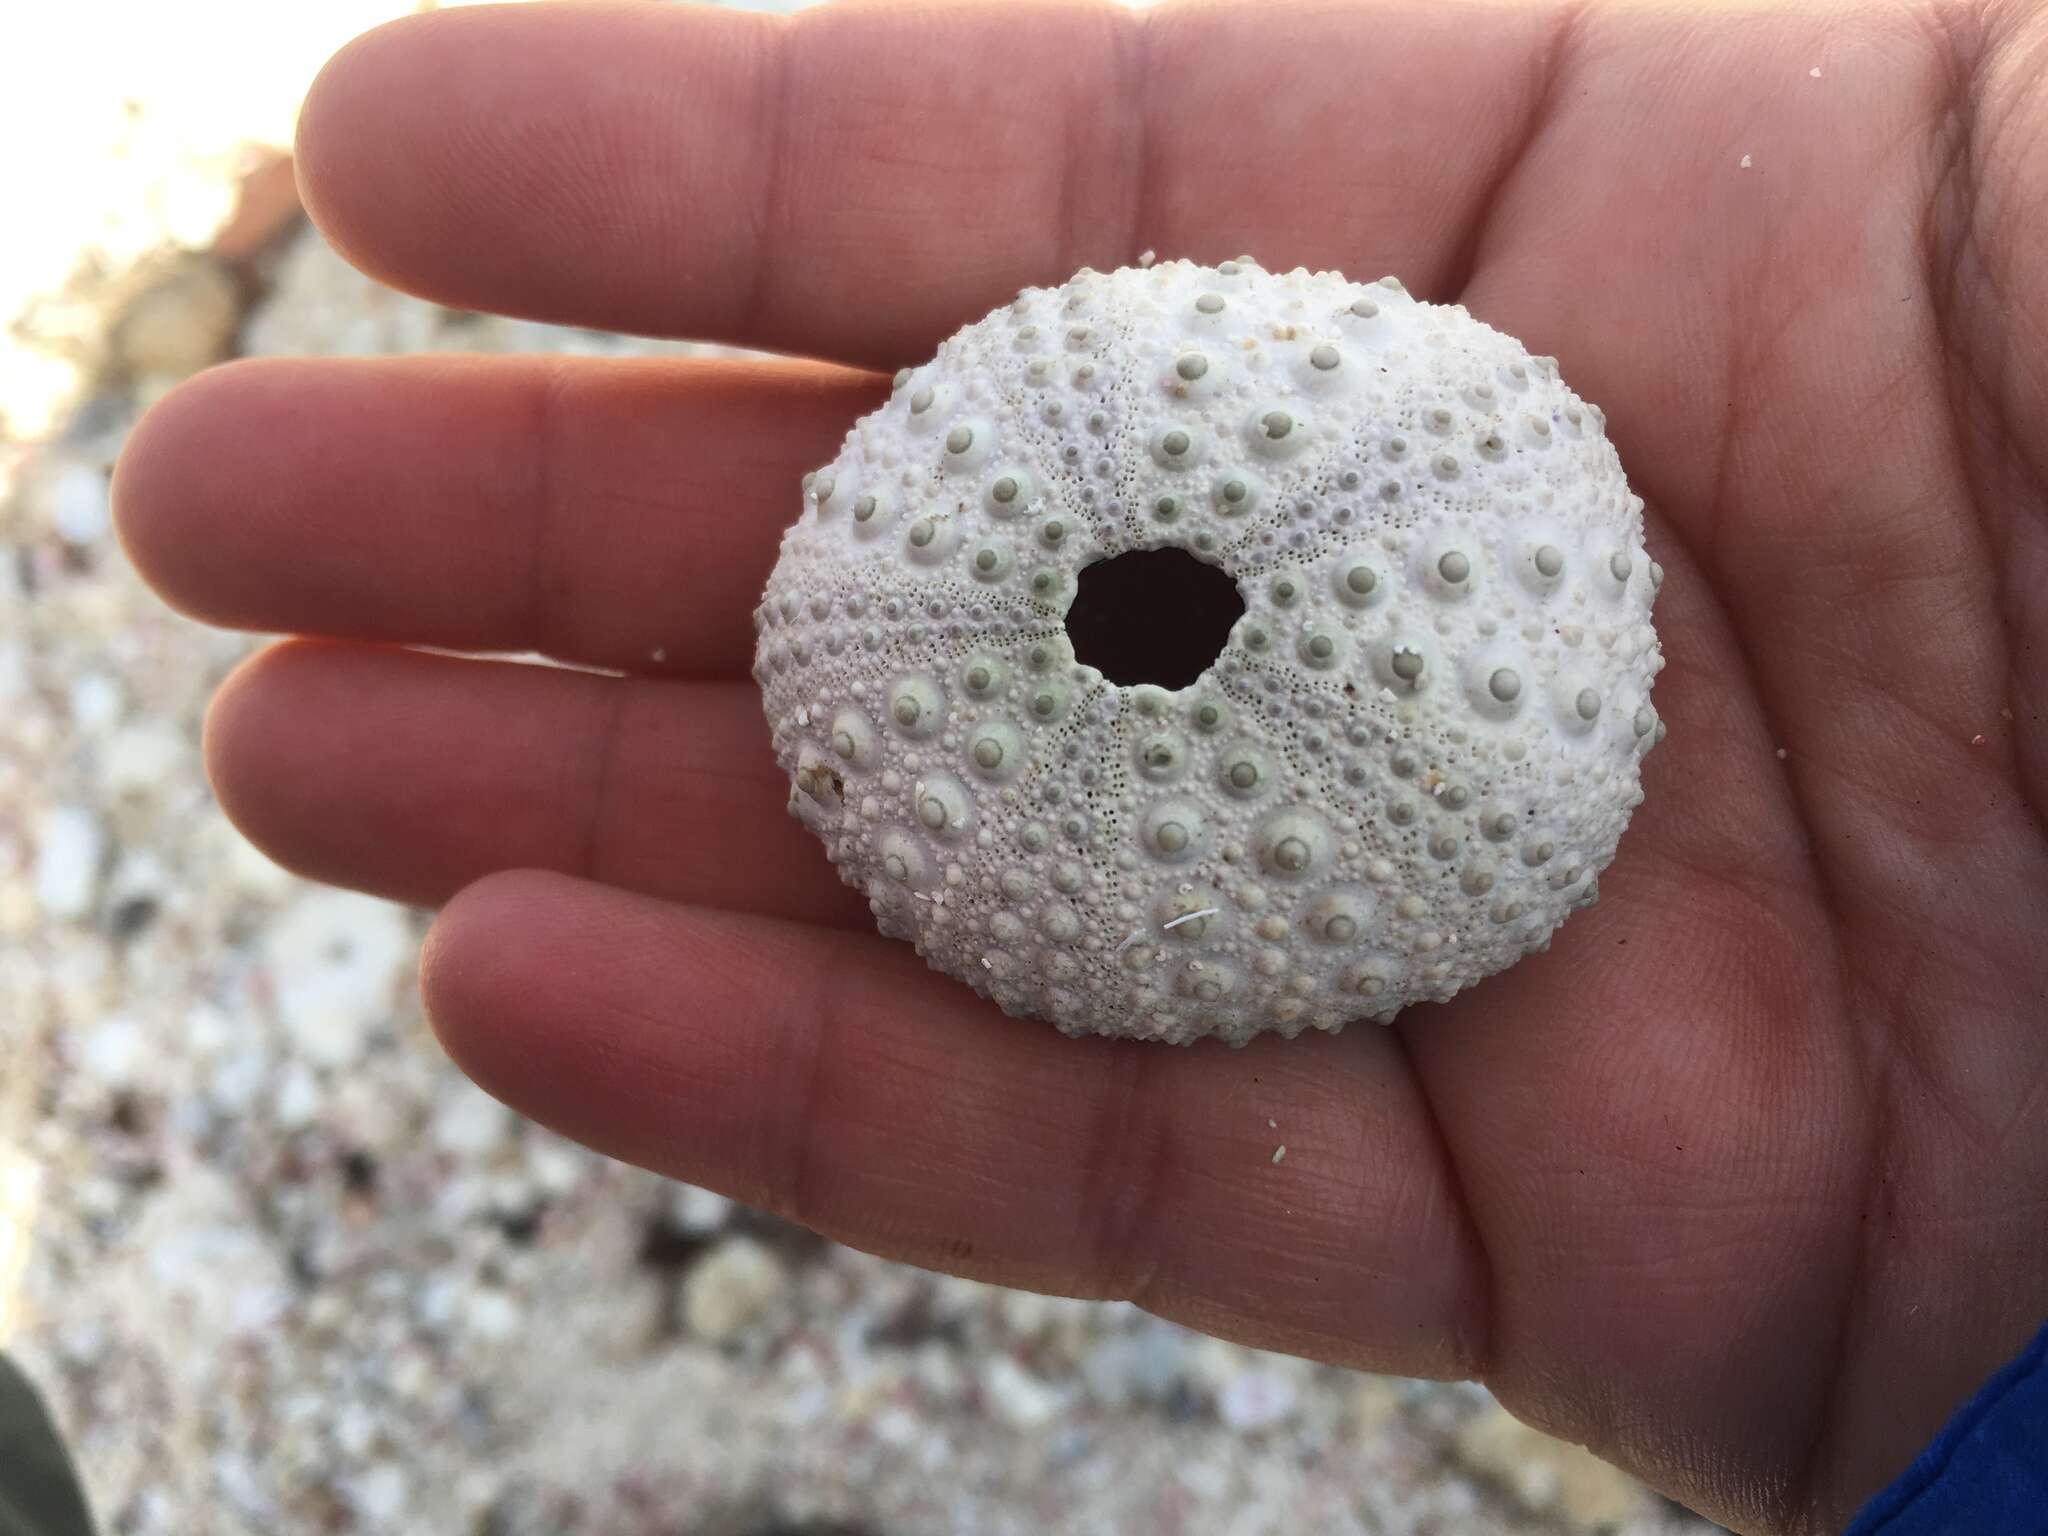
point(1742, 1183)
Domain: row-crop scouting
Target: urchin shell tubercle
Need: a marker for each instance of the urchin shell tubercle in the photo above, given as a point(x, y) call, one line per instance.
point(1409, 762)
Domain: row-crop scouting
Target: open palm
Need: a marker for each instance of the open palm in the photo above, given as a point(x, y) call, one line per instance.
point(1745, 1183)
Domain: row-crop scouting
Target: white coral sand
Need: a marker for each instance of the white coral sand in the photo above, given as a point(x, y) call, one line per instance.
point(1408, 764)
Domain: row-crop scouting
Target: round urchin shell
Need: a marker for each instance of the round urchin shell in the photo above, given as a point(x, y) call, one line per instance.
point(1407, 766)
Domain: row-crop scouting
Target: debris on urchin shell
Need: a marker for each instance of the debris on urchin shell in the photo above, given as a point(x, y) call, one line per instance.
point(1408, 764)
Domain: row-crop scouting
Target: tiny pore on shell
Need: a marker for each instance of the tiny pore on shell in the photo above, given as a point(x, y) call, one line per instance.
point(1188, 651)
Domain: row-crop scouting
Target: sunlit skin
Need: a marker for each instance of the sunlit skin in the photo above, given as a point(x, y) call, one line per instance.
point(1745, 1183)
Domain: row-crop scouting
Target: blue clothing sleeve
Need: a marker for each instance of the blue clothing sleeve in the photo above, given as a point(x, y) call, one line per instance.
point(1986, 1474)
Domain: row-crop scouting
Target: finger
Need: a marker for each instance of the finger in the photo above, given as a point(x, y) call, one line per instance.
point(410, 776)
point(688, 171)
point(619, 514)
point(836, 1080)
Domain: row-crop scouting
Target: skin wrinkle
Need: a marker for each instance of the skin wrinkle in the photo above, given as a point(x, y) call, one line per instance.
point(1476, 1345)
point(600, 755)
point(1550, 70)
point(544, 583)
point(811, 1076)
point(1123, 1218)
point(1133, 51)
point(1950, 233)
point(777, 59)
point(1982, 838)
point(1799, 1486)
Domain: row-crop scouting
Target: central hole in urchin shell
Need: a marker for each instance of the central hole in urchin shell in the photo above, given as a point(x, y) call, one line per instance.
point(1156, 616)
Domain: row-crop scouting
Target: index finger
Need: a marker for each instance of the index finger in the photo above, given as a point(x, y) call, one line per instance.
point(857, 181)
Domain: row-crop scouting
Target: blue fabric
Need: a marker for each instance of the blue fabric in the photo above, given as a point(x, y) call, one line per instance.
point(1986, 1474)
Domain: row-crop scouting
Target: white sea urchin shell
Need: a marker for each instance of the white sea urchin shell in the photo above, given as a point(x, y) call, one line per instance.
point(1407, 766)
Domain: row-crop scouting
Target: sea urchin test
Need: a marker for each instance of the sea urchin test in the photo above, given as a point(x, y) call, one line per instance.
point(1397, 772)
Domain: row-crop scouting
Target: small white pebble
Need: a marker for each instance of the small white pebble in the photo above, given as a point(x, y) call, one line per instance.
point(142, 757)
point(468, 1122)
point(68, 849)
point(1279, 1152)
point(731, 1289)
point(237, 1080)
point(1019, 1398)
point(96, 703)
point(336, 960)
point(81, 507)
point(1255, 1399)
point(1815, 71)
point(698, 1210)
point(112, 1051)
point(492, 1314)
point(380, 1495)
point(298, 1097)
point(556, 1169)
point(1747, 162)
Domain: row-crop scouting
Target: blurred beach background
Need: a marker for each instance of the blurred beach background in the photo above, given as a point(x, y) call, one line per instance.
point(276, 1266)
